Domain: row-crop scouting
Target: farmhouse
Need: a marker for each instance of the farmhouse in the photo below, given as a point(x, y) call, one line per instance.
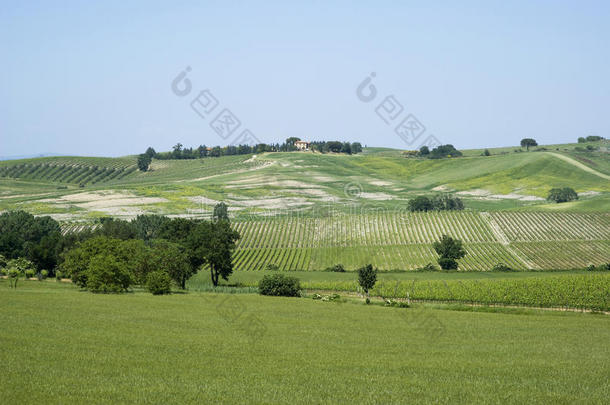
point(302, 145)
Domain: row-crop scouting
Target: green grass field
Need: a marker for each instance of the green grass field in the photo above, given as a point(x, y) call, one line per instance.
point(60, 345)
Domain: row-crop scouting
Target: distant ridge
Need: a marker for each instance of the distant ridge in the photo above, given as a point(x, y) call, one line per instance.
point(30, 156)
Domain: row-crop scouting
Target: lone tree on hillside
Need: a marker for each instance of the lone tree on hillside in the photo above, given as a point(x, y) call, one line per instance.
point(150, 152)
point(143, 162)
point(367, 277)
point(527, 142)
point(221, 211)
point(561, 195)
point(213, 243)
point(449, 251)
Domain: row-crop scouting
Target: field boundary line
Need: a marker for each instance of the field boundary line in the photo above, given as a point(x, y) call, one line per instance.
point(467, 303)
point(580, 165)
point(503, 239)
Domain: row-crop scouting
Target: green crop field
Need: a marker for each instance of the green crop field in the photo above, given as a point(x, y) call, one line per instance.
point(308, 211)
point(404, 240)
point(60, 345)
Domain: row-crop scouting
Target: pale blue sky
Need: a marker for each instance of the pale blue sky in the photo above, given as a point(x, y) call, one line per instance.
point(78, 78)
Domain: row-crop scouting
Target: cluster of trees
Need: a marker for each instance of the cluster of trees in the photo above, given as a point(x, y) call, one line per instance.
point(440, 152)
point(561, 195)
point(37, 239)
point(441, 202)
point(590, 138)
point(151, 250)
point(528, 142)
point(336, 147)
point(180, 152)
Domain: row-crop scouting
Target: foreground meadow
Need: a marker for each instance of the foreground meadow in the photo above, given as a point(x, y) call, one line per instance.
point(62, 345)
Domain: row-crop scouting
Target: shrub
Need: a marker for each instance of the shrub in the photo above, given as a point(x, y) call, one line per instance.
point(396, 304)
point(279, 285)
point(501, 267)
point(58, 275)
point(447, 263)
point(159, 283)
point(29, 273)
point(486, 153)
point(427, 267)
point(367, 277)
point(107, 275)
point(561, 195)
point(337, 268)
point(331, 298)
point(272, 267)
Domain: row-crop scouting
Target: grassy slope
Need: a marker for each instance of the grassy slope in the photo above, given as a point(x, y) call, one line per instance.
point(376, 171)
point(138, 348)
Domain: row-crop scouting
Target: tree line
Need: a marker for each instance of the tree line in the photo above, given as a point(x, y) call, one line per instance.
point(180, 152)
point(150, 250)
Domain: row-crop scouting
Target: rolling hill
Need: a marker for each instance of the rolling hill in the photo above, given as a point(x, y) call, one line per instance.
point(308, 211)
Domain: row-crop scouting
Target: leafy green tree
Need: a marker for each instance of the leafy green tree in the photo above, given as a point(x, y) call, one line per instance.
point(13, 277)
point(346, 148)
point(22, 265)
point(367, 277)
point(213, 243)
point(130, 254)
point(117, 228)
point(106, 274)
point(150, 152)
point(449, 251)
point(221, 212)
point(148, 227)
point(35, 238)
point(171, 258)
point(527, 142)
point(420, 203)
point(581, 139)
point(445, 202)
point(444, 151)
point(561, 195)
point(216, 151)
point(424, 151)
point(177, 151)
point(334, 146)
point(144, 162)
point(594, 138)
point(356, 147)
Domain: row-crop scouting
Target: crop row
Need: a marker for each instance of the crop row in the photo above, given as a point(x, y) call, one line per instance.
point(551, 226)
point(362, 230)
point(481, 256)
point(66, 173)
point(591, 291)
point(564, 255)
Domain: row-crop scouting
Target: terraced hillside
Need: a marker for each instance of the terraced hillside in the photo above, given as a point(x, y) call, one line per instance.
point(304, 182)
point(404, 240)
point(74, 170)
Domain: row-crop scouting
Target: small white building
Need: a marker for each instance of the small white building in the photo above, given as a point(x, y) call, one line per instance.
point(302, 145)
